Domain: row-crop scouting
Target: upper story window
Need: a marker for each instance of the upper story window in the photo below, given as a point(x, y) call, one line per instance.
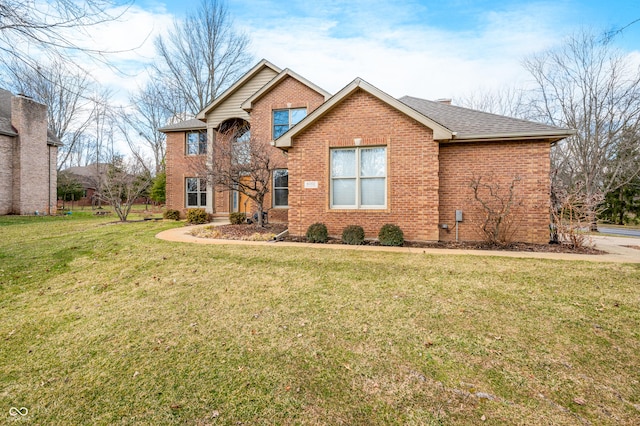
point(359, 178)
point(281, 188)
point(242, 147)
point(284, 119)
point(196, 143)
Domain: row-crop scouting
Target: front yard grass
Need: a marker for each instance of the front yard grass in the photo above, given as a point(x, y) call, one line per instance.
point(104, 324)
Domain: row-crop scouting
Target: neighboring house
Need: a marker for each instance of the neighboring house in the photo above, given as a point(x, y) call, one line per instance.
point(28, 157)
point(88, 178)
point(362, 157)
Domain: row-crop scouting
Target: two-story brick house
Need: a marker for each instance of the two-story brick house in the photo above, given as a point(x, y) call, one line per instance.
point(363, 157)
point(266, 101)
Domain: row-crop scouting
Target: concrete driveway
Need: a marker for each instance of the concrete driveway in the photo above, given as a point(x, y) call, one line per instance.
point(620, 249)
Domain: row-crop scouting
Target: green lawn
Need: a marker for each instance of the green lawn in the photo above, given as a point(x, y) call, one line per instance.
point(104, 324)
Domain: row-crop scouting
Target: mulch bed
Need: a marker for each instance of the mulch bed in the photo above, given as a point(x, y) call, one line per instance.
point(523, 247)
point(237, 232)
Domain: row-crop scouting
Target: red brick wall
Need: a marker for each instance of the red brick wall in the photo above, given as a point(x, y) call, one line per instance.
point(412, 170)
point(179, 166)
point(495, 163)
point(289, 93)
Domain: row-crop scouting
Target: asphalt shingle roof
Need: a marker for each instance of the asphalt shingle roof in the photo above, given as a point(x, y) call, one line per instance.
point(193, 124)
point(472, 124)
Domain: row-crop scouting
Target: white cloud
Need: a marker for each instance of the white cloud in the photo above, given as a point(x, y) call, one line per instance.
point(128, 43)
point(419, 60)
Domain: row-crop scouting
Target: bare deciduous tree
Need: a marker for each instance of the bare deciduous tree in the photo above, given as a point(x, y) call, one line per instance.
point(509, 101)
point(121, 184)
point(498, 209)
point(590, 86)
point(52, 27)
point(244, 164)
point(139, 124)
point(571, 215)
point(65, 93)
point(82, 153)
point(202, 55)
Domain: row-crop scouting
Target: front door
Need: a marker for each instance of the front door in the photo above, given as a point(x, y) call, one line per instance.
point(240, 202)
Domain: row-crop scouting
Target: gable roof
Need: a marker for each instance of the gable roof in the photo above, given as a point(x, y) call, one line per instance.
point(181, 126)
point(472, 125)
point(238, 84)
point(248, 104)
point(440, 132)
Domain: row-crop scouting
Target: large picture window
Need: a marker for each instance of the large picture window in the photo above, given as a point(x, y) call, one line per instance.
point(196, 143)
point(281, 188)
point(196, 192)
point(284, 119)
point(359, 178)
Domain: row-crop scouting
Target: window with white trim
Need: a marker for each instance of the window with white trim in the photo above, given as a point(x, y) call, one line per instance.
point(196, 143)
point(359, 178)
point(196, 192)
point(281, 188)
point(284, 119)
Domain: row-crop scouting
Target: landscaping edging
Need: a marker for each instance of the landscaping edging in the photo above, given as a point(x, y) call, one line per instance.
point(615, 251)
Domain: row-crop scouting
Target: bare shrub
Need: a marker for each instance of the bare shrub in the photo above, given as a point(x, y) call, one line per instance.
point(571, 213)
point(498, 206)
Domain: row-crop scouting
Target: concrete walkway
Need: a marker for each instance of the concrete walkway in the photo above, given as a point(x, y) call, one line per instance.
point(614, 246)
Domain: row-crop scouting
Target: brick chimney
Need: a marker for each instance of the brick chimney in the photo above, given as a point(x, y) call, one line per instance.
point(446, 101)
point(32, 159)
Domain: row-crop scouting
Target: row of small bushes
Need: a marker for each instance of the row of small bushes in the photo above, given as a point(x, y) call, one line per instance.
point(194, 216)
point(389, 235)
point(200, 216)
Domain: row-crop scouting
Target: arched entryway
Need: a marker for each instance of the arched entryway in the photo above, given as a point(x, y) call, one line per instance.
point(238, 132)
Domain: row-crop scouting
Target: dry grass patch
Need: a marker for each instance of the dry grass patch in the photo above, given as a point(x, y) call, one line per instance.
point(106, 324)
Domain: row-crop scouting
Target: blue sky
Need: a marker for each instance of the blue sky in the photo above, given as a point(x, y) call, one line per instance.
point(429, 49)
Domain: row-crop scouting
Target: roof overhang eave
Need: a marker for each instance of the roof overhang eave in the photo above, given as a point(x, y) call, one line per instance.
point(550, 136)
point(6, 133)
point(182, 129)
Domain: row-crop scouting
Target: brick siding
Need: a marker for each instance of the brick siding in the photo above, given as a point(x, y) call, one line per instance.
point(179, 166)
point(496, 163)
point(412, 170)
